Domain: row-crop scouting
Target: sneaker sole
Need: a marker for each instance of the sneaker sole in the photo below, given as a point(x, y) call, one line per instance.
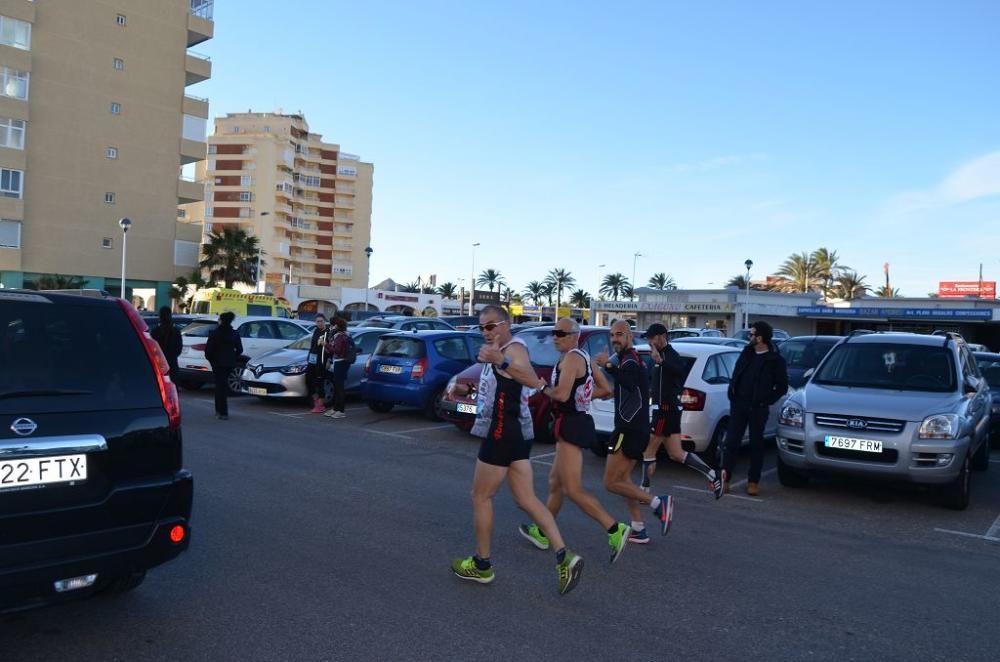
point(478, 580)
point(665, 525)
point(639, 541)
point(575, 570)
point(616, 554)
point(534, 542)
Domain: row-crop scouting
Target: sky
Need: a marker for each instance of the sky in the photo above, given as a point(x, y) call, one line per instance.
point(576, 134)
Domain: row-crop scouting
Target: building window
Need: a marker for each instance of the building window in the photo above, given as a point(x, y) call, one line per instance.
point(119, 64)
point(11, 133)
point(112, 152)
point(211, 149)
point(107, 242)
point(11, 183)
point(246, 196)
point(109, 198)
point(246, 212)
point(116, 108)
point(267, 129)
point(120, 19)
point(209, 212)
point(15, 83)
point(15, 33)
point(246, 180)
point(10, 234)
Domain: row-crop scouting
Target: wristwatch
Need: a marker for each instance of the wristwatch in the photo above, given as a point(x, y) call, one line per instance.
point(505, 363)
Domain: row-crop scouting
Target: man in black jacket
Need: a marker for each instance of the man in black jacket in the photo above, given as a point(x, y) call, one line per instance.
point(223, 351)
point(169, 340)
point(759, 380)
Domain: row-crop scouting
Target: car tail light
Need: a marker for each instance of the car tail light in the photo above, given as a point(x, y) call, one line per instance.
point(168, 390)
point(692, 400)
point(419, 369)
point(177, 534)
point(368, 365)
point(200, 347)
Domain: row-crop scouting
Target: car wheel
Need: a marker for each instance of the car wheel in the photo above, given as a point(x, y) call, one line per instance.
point(981, 460)
point(956, 495)
point(126, 583)
point(789, 477)
point(433, 402)
point(712, 455)
point(235, 379)
point(380, 407)
point(188, 385)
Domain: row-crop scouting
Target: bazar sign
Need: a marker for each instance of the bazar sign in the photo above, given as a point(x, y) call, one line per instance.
point(968, 288)
point(898, 313)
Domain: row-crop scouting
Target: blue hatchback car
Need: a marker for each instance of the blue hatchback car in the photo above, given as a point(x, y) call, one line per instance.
point(413, 368)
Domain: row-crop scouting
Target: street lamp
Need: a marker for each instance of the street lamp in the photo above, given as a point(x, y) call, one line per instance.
point(746, 304)
point(368, 253)
point(125, 223)
point(472, 281)
point(597, 295)
point(260, 251)
point(634, 260)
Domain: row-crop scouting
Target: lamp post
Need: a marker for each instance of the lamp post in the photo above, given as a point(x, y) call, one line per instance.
point(125, 223)
point(635, 258)
point(472, 281)
point(746, 304)
point(260, 251)
point(368, 253)
point(597, 295)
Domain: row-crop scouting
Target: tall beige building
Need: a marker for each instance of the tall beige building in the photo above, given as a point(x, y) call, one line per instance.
point(95, 125)
point(309, 202)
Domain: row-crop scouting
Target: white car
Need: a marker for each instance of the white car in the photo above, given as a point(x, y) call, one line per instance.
point(258, 334)
point(704, 398)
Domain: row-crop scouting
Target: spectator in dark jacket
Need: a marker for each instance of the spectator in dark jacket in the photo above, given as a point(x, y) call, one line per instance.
point(337, 346)
point(223, 351)
point(316, 365)
point(759, 380)
point(169, 340)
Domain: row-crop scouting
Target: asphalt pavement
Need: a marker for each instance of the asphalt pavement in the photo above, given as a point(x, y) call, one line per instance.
point(320, 539)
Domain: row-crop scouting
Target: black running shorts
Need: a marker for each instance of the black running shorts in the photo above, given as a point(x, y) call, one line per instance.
point(504, 452)
point(666, 422)
point(632, 443)
point(576, 429)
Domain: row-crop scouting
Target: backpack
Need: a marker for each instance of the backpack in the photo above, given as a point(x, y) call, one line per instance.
point(351, 353)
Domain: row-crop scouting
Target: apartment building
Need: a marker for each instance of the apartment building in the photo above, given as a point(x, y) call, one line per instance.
point(95, 125)
point(309, 202)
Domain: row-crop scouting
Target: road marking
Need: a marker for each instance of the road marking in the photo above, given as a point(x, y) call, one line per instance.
point(385, 434)
point(744, 482)
point(727, 496)
point(536, 457)
point(994, 461)
point(995, 529)
point(426, 428)
point(548, 464)
point(968, 535)
point(278, 413)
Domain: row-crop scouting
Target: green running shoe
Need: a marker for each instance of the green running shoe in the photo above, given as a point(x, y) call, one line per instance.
point(466, 569)
point(618, 539)
point(569, 572)
point(534, 535)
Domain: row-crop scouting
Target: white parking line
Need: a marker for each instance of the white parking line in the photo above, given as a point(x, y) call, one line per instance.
point(995, 529)
point(385, 434)
point(728, 496)
point(968, 535)
point(744, 482)
point(426, 428)
point(994, 461)
point(541, 455)
point(279, 413)
point(548, 464)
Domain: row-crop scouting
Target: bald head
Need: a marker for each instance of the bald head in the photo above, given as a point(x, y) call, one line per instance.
point(621, 336)
point(568, 324)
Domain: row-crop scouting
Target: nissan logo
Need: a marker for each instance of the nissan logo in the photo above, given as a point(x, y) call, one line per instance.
point(857, 423)
point(23, 427)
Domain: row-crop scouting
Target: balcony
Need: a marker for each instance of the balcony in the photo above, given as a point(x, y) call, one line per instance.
point(195, 106)
point(189, 191)
point(192, 151)
point(344, 202)
point(197, 68)
point(200, 26)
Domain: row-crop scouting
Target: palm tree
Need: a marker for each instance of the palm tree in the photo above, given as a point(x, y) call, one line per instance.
point(183, 289)
point(615, 286)
point(662, 281)
point(560, 280)
point(850, 285)
point(411, 287)
point(490, 278)
point(828, 267)
point(737, 281)
point(231, 256)
point(548, 289)
point(887, 292)
point(60, 282)
point(579, 299)
point(798, 274)
point(447, 290)
point(535, 292)
point(506, 295)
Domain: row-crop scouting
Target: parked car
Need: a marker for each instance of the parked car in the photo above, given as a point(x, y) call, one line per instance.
point(778, 335)
point(281, 373)
point(973, 347)
point(461, 322)
point(677, 334)
point(713, 340)
point(890, 406)
point(93, 492)
point(704, 399)
point(413, 368)
point(403, 323)
point(180, 321)
point(461, 410)
point(989, 366)
point(258, 334)
point(803, 353)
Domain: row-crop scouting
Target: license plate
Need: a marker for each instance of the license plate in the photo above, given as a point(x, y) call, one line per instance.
point(256, 390)
point(853, 444)
point(32, 471)
point(391, 369)
point(464, 408)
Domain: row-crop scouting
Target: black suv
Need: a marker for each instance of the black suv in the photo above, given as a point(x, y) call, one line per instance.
point(92, 491)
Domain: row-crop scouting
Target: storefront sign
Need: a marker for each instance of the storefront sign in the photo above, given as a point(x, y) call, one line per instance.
point(645, 307)
point(950, 289)
point(897, 313)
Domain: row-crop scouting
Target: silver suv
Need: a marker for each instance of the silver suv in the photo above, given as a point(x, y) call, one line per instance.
point(893, 406)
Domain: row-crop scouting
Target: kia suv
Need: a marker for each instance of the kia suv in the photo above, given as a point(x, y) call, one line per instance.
point(890, 406)
point(92, 488)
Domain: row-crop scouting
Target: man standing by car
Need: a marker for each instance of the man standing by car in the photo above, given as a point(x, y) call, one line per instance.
point(668, 381)
point(505, 425)
point(316, 365)
point(223, 350)
point(573, 430)
point(631, 433)
point(760, 378)
point(337, 350)
point(169, 340)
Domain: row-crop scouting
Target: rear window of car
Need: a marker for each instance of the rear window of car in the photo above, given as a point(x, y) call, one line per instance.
point(540, 348)
point(452, 348)
point(401, 347)
point(895, 367)
point(199, 329)
point(71, 358)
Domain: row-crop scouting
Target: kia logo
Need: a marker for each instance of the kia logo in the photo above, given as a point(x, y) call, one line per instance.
point(23, 427)
point(857, 424)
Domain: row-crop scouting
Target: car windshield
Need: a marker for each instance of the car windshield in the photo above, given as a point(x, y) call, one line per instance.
point(378, 324)
point(401, 347)
point(199, 329)
point(898, 367)
point(805, 354)
point(302, 343)
point(540, 348)
point(990, 371)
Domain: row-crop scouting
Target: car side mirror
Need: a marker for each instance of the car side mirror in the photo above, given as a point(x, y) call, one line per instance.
point(971, 385)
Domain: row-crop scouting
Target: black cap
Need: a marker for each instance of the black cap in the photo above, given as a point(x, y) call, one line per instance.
point(655, 329)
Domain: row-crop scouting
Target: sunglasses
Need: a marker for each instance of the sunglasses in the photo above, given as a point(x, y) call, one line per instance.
point(489, 326)
point(559, 333)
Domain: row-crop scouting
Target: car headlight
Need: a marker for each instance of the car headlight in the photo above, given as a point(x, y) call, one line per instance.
point(939, 426)
point(792, 415)
point(294, 369)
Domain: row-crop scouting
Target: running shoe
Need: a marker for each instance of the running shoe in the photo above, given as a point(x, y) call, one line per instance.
point(569, 572)
point(720, 479)
point(618, 540)
point(665, 513)
point(638, 537)
point(466, 569)
point(534, 535)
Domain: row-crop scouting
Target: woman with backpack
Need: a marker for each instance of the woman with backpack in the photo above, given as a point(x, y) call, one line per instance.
point(342, 352)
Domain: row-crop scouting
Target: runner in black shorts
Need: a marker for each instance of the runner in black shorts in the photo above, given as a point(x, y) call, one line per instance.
point(669, 374)
point(629, 438)
point(573, 431)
